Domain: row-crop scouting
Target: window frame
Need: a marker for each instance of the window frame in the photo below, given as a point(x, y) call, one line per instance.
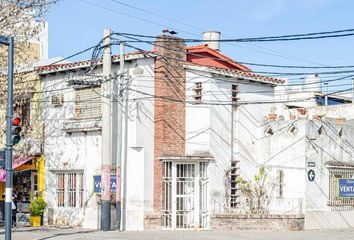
point(72, 192)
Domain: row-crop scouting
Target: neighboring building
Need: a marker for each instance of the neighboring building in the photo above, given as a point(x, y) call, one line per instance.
point(180, 125)
point(28, 156)
point(312, 92)
point(314, 157)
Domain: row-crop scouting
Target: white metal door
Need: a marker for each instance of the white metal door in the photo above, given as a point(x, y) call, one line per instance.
point(185, 195)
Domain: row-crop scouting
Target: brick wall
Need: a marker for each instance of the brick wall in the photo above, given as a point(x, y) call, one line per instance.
point(153, 222)
point(257, 222)
point(169, 109)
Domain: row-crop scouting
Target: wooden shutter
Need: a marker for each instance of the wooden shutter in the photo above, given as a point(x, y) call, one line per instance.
point(88, 103)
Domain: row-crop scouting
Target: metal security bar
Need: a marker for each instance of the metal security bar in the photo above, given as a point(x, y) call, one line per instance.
point(185, 196)
point(167, 191)
point(203, 196)
point(335, 201)
point(60, 189)
point(185, 187)
point(72, 189)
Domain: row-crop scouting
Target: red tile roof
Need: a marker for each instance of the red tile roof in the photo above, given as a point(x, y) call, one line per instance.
point(203, 55)
point(246, 74)
point(82, 64)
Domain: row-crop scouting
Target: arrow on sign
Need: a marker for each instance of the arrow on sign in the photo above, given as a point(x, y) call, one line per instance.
point(311, 175)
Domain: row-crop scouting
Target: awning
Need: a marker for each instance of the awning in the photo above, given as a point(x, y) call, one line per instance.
point(18, 161)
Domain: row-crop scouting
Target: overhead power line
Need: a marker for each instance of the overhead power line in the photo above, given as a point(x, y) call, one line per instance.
point(293, 37)
point(260, 49)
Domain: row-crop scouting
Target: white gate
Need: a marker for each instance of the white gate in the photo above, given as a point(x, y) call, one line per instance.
point(185, 195)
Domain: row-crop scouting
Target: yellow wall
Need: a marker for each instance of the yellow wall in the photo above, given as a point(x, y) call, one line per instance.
point(2, 190)
point(40, 172)
point(39, 166)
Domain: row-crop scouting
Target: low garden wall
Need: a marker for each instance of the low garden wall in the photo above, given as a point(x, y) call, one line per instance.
point(229, 221)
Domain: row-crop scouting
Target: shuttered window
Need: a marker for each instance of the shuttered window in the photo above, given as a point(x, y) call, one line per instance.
point(88, 103)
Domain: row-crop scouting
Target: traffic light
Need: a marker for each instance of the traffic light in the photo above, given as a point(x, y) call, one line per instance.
point(15, 130)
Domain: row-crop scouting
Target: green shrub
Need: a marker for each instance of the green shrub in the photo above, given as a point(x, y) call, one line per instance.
point(37, 207)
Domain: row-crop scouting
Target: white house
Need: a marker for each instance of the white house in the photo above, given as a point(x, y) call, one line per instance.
point(196, 120)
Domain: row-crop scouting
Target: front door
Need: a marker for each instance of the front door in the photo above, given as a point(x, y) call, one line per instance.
point(185, 195)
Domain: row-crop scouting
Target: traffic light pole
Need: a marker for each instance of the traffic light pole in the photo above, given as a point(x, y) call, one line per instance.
point(8, 150)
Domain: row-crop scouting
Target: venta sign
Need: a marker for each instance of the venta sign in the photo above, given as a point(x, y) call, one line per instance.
point(97, 184)
point(346, 187)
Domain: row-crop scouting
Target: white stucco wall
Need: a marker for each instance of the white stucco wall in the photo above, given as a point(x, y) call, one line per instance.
point(80, 151)
point(208, 127)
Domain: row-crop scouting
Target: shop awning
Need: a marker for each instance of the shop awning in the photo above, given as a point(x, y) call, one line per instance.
point(18, 161)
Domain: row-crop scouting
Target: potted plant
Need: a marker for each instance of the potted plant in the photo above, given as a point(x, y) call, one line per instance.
point(272, 115)
point(36, 208)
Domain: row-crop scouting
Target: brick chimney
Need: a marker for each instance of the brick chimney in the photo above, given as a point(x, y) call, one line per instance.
point(169, 117)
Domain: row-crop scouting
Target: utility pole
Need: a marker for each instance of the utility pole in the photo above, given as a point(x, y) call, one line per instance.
point(120, 138)
point(8, 150)
point(106, 154)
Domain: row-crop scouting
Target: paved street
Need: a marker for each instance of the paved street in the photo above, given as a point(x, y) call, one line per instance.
point(82, 234)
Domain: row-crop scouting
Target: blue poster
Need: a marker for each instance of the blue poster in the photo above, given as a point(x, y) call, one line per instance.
point(346, 187)
point(97, 184)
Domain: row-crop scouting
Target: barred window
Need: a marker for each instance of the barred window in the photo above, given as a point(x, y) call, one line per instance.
point(88, 103)
point(198, 92)
point(60, 189)
point(70, 190)
point(234, 188)
point(280, 183)
point(336, 201)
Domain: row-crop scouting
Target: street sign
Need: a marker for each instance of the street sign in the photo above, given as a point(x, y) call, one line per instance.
point(311, 164)
point(346, 187)
point(311, 175)
point(97, 184)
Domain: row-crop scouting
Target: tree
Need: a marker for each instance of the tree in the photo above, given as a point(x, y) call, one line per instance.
point(258, 193)
point(22, 19)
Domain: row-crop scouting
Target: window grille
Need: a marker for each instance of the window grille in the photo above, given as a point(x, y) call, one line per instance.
point(70, 190)
point(58, 100)
point(335, 201)
point(280, 181)
point(235, 90)
point(60, 189)
point(198, 92)
point(88, 103)
point(234, 195)
point(167, 190)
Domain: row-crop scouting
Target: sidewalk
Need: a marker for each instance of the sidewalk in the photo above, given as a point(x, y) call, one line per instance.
point(85, 234)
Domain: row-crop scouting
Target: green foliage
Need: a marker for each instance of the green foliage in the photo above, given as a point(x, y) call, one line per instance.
point(37, 206)
point(258, 192)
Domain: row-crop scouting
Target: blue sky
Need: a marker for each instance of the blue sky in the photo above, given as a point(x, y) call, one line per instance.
point(76, 24)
